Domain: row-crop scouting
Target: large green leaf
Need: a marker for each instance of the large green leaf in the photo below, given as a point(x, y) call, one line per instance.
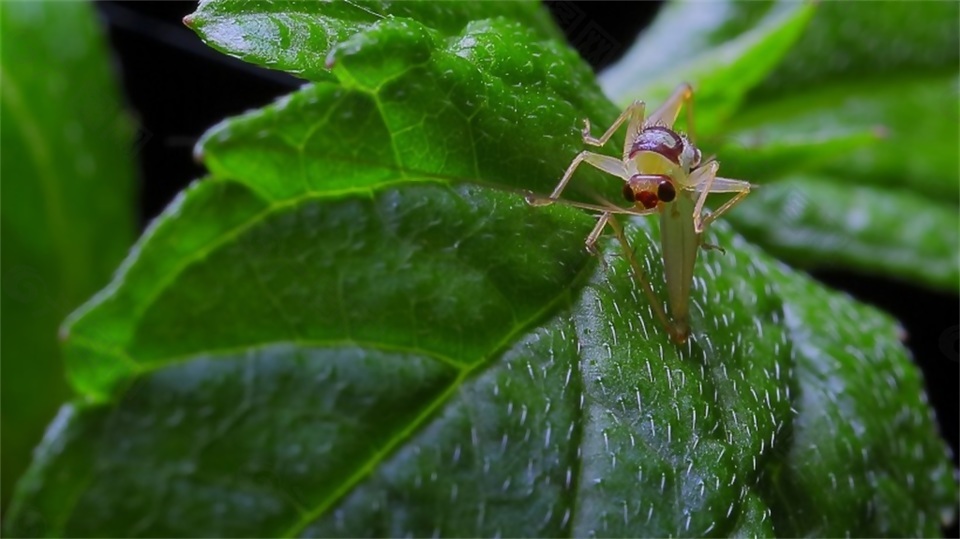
point(866, 100)
point(356, 326)
point(67, 189)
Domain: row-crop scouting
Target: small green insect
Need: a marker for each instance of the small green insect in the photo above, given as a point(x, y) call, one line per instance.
point(662, 173)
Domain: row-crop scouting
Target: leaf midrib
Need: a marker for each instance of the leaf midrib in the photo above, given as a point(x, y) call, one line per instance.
point(497, 350)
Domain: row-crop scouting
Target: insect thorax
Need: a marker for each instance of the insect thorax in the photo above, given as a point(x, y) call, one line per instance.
point(667, 143)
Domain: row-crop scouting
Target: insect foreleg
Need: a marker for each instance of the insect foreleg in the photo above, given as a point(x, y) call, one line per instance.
point(610, 165)
point(743, 189)
point(705, 178)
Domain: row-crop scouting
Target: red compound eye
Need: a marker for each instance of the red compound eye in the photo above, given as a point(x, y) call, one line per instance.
point(666, 191)
point(647, 199)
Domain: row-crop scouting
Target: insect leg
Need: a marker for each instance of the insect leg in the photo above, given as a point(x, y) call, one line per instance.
point(724, 185)
point(667, 114)
point(605, 206)
point(591, 242)
point(610, 165)
point(679, 335)
point(634, 113)
point(705, 178)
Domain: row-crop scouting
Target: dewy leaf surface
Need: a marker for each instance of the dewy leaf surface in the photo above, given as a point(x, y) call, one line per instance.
point(67, 188)
point(357, 327)
point(297, 36)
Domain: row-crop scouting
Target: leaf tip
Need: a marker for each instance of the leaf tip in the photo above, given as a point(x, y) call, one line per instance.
point(188, 21)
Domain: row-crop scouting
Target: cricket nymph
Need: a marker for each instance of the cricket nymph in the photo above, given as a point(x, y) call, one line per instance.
point(662, 174)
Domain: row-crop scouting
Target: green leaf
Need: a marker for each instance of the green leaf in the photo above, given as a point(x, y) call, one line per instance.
point(855, 226)
point(67, 188)
point(297, 37)
point(489, 94)
point(842, 382)
point(847, 42)
point(357, 326)
point(897, 134)
point(888, 177)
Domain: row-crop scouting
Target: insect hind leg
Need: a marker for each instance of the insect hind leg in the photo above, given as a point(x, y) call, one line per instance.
point(677, 333)
point(667, 114)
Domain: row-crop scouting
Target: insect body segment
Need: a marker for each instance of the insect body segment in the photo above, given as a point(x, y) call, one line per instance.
point(667, 143)
point(662, 173)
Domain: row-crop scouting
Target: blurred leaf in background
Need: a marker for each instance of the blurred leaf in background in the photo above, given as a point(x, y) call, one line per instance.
point(67, 205)
point(356, 327)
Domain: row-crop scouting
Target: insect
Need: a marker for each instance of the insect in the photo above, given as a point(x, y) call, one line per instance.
point(662, 173)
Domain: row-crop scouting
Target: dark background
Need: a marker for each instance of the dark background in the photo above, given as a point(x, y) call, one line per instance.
point(178, 87)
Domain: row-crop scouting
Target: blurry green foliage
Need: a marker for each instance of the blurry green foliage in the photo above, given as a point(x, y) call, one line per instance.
point(67, 205)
